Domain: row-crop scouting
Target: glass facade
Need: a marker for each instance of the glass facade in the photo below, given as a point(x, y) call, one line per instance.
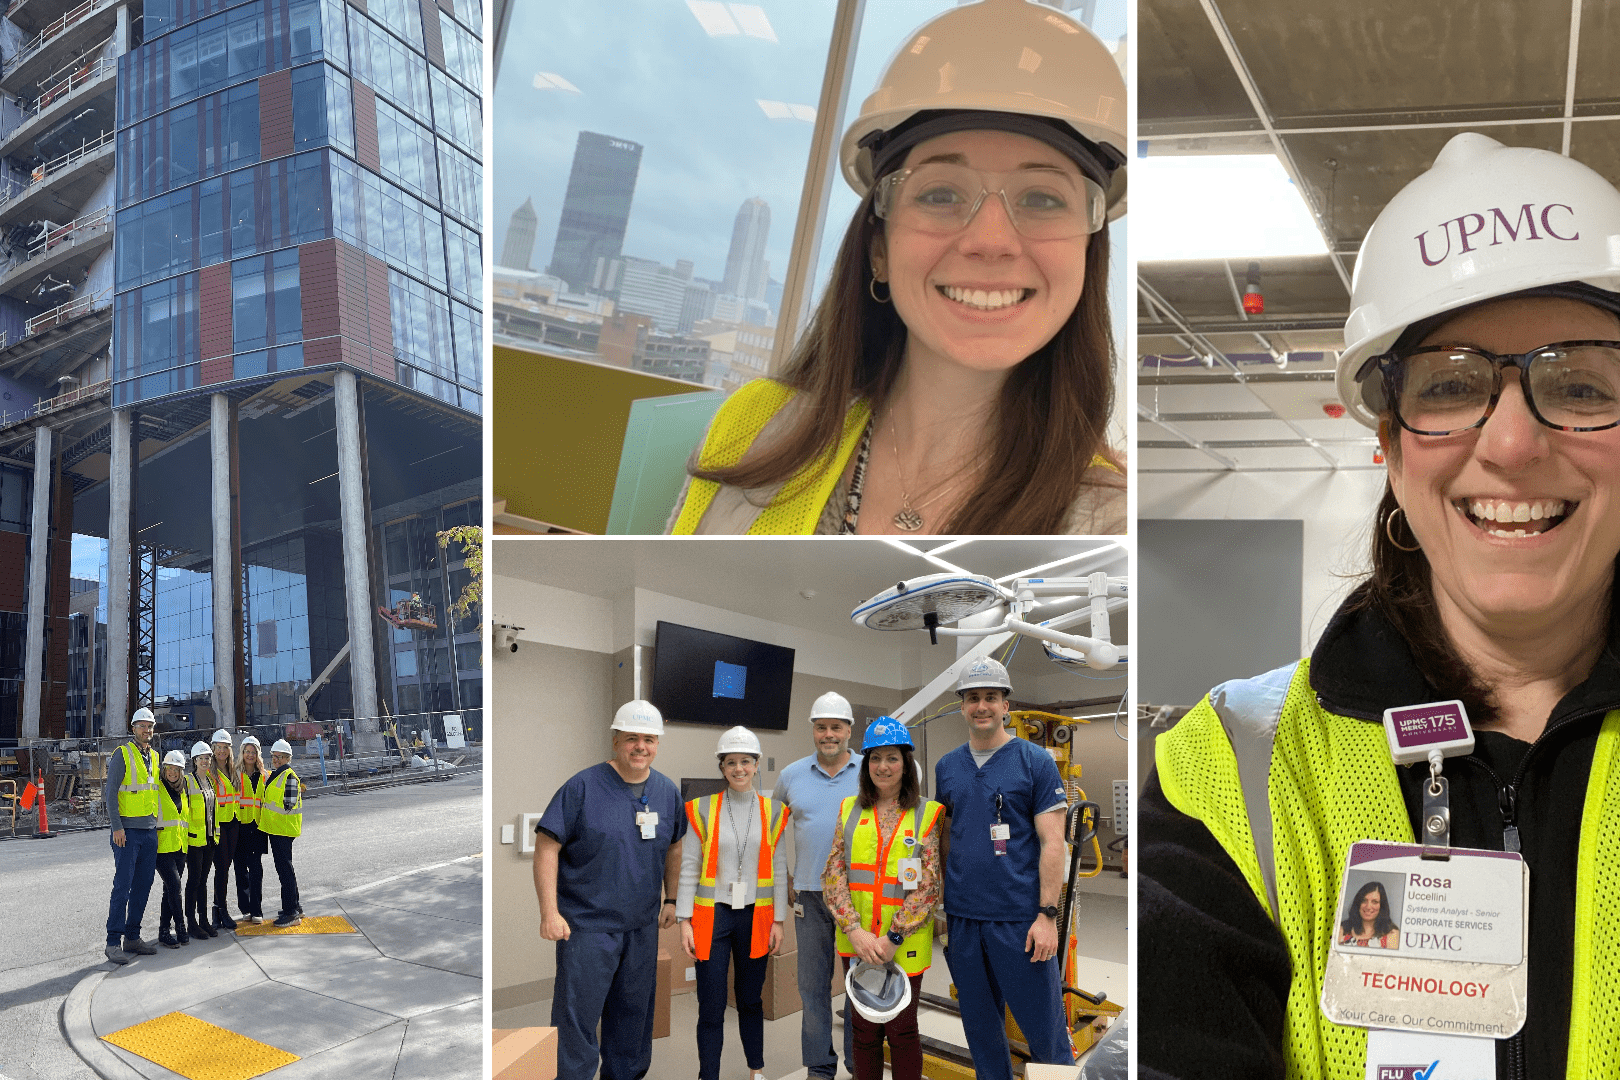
point(432, 670)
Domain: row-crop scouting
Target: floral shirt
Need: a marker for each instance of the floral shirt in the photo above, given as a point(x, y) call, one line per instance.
point(919, 905)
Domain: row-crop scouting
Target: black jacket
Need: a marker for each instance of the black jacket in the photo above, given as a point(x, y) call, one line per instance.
point(1213, 969)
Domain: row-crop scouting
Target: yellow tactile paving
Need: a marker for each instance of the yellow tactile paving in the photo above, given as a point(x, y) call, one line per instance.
point(319, 924)
point(199, 1050)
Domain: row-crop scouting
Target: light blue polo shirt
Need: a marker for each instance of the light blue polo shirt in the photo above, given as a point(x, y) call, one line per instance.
point(814, 797)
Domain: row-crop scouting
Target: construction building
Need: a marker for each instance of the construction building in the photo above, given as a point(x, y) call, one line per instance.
point(240, 359)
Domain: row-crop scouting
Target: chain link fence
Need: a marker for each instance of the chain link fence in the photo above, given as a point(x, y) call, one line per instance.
point(330, 756)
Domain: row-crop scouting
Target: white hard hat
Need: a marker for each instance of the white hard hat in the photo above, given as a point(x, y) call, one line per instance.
point(222, 736)
point(640, 717)
point(253, 740)
point(738, 740)
point(201, 750)
point(281, 746)
point(1462, 233)
point(832, 706)
point(879, 992)
point(142, 715)
point(984, 672)
point(175, 757)
point(999, 56)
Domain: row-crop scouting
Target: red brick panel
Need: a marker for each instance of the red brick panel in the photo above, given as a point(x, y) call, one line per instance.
point(379, 315)
point(13, 570)
point(319, 297)
point(365, 127)
point(275, 115)
point(214, 321)
point(432, 44)
point(447, 6)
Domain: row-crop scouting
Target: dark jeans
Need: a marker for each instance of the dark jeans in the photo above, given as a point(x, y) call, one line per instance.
point(133, 867)
point(905, 1044)
point(199, 864)
point(733, 938)
point(249, 862)
point(170, 867)
point(817, 934)
point(224, 852)
point(609, 979)
point(281, 853)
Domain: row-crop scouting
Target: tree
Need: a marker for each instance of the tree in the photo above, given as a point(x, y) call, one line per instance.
point(471, 539)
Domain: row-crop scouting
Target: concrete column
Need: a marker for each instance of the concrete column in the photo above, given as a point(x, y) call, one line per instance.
point(121, 32)
point(120, 493)
point(222, 445)
point(355, 515)
point(39, 535)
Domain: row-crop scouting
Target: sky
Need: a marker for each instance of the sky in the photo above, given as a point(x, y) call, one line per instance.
point(647, 71)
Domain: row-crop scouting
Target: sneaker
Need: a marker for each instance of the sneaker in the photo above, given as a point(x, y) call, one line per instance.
point(256, 920)
point(288, 920)
point(116, 955)
point(138, 947)
point(167, 940)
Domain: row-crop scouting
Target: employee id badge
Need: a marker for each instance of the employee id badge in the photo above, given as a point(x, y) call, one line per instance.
point(910, 873)
point(648, 820)
point(739, 892)
point(1436, 946)
point(999, 835)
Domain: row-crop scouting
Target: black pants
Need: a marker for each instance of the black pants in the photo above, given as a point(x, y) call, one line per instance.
point(733, 936)
point(224, 852)
point(199, 863)
point(281, 852)
point(170, 864)
point(250, 848)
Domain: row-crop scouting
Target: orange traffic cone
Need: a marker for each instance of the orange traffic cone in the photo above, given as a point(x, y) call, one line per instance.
point(44, 832)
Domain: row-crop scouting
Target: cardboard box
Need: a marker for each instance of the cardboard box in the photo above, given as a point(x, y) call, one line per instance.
point(525, 1054)
point(780, 995)
point(666, 966)
point(1035, 1071)
point(683, 980)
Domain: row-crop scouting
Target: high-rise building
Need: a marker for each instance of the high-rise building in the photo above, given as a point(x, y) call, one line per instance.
point(255, 405)
point(596, 207)
point(745, 262)
point(519, 246)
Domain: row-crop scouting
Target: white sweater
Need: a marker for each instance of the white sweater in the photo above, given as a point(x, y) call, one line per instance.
point(744, 811)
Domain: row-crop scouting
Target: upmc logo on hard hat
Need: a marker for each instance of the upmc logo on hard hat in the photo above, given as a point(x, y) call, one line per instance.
point(1492, 227)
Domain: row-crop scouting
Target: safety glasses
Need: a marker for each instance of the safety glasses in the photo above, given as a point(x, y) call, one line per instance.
point(940, 199)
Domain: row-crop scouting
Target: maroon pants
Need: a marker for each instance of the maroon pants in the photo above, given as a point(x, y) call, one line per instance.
point(905, 1045)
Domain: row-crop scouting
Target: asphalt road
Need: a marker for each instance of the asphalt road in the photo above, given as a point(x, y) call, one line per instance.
point(54, 893)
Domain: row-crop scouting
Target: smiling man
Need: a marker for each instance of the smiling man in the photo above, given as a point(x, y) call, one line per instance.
point(131, 798)
point(605, 849)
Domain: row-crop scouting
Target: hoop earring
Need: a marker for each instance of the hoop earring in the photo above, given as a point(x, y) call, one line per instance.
point(1389, 530)
point(871, 289)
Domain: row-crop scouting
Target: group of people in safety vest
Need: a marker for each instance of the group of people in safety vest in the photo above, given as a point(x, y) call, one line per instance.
point(618, 856)
point(182, 826)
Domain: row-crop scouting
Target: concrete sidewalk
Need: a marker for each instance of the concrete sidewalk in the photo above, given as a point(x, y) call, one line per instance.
point(400, 999)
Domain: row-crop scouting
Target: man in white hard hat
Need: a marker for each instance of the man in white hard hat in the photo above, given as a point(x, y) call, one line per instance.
point(131, 797)
point(1003, 879)
point(813, 788)
point(606, 850)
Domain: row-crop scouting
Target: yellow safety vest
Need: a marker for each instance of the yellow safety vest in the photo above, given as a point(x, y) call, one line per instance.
point(174, 825)
point(250, 799)
point(137, 795)
point(274, 818)
point(872, 868)
point(773, 816)
point(1286, 787)
point(198, 834)
point(226, 797)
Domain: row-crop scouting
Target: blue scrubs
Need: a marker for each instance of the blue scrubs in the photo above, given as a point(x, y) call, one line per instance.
point(991, 900)
point(609, 889)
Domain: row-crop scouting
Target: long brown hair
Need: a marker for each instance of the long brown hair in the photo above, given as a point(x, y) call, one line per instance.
point(1049, 424)
point(909, 793)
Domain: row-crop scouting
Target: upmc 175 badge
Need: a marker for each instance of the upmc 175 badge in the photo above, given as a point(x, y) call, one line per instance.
point(1430, 945)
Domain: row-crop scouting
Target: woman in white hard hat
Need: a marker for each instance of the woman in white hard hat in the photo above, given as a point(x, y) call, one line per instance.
point(958, 376)
point(174, 826)
point(881, 883)
point(732, 900)
point(251, 843)
point(281, 819)
point(227, 799)
point(1484, 346)
point(200, 843)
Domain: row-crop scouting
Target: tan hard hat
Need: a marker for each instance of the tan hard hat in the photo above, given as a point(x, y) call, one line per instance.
point(999, 56)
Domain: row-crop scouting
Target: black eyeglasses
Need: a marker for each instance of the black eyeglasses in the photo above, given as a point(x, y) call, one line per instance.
point(1444, 389)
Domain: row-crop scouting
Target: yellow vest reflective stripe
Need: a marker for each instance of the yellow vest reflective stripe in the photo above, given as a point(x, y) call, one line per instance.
point(1286, 787)
point(137, 794)
point(250, 797)
point(773, 816)
point(872, 869)
point(173, 824)
point(226, 797)
point(274, 817)
point(197, 815)
point(797, 506)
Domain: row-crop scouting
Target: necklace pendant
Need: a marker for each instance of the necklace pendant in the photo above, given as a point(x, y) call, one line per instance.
point(908, 519)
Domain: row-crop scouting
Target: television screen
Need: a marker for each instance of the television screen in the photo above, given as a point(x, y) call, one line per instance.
point(701, 677)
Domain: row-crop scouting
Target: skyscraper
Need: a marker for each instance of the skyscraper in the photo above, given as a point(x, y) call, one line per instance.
point(745, 263)
point(596, 208)
point(519, 246)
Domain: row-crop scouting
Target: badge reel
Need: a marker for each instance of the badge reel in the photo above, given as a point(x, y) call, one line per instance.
point(910, 869)
point(647, 820)
point(1430, 941)
point(999, 833)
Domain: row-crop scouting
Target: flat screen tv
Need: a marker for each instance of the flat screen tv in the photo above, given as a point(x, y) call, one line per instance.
point(701, 677)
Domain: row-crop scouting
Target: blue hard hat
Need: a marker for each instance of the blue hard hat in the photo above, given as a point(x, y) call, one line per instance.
point(885, 731)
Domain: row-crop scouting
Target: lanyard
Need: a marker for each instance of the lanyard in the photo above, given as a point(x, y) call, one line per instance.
point(742, 842)
point(998, 806)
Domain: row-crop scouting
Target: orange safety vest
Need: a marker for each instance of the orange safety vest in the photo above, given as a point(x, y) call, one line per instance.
point(772, 818)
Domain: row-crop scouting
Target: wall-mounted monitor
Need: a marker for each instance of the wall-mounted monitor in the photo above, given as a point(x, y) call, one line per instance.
point(701, 677)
